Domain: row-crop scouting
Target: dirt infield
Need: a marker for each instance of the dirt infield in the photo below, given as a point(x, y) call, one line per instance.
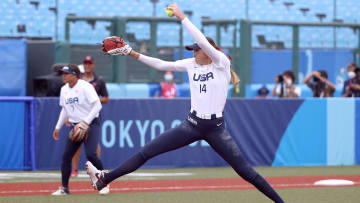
point(45, 188)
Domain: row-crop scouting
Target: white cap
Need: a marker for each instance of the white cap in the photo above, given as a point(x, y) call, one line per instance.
point(81, 68)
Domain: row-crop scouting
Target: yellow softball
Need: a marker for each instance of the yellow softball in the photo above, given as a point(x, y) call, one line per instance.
point(169, 12)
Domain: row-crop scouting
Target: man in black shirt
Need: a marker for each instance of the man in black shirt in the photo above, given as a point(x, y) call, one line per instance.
point(95, 80)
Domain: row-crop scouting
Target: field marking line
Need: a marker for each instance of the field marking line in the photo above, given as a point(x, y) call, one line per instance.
point(7, 176)
point(170, 188)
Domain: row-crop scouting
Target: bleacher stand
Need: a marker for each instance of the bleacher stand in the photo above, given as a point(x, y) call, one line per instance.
point(36, 18)
point(39, 19)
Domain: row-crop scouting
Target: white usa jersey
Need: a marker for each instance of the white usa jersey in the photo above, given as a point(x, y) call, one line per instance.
point(77, 101)
point(208, 84)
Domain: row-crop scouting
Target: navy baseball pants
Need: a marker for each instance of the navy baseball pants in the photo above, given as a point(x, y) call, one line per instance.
point(71, 147)
point(191, 130)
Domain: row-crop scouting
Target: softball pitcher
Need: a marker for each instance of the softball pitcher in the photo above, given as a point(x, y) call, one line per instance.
point(209, 78)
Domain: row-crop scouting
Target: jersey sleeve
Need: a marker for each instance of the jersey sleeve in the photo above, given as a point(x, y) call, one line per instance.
point(182, 65)
point(61, 98)
point(62, 119)
point(161, 64)
point(95, 109)
point(216, 56)
point(90, 93)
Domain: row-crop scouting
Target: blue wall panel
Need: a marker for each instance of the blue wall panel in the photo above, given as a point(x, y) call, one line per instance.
point(128, 124)
point(304, 142)
point(340, 131)
point(258, 126)
point(266, 64)
point(13, 67)
point(48, 151)
point(357, 131)
point(269, 132)
point(331, 61)
point(12, 127)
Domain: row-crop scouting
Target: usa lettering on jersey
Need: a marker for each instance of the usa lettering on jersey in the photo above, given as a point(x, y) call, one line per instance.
point(203, 77)
point(72, 100)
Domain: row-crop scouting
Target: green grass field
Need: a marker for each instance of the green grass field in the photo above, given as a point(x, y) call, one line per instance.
point(321, 195)
point(294, 195)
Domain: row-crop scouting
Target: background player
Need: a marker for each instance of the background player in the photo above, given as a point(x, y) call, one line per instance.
point(209, 76)
point(81, 105)
point(100, 88)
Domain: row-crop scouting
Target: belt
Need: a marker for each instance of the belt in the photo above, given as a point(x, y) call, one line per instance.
point(207, 116)
point(94, 120)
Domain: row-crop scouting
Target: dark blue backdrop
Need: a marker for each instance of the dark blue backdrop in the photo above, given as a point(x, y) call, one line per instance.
point(127, 124)
point(268, 132)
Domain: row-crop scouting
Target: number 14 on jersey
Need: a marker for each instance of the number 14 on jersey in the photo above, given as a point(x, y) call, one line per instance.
point(202, 88)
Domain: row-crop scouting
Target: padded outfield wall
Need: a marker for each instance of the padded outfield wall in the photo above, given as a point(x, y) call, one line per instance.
point(275, 132)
